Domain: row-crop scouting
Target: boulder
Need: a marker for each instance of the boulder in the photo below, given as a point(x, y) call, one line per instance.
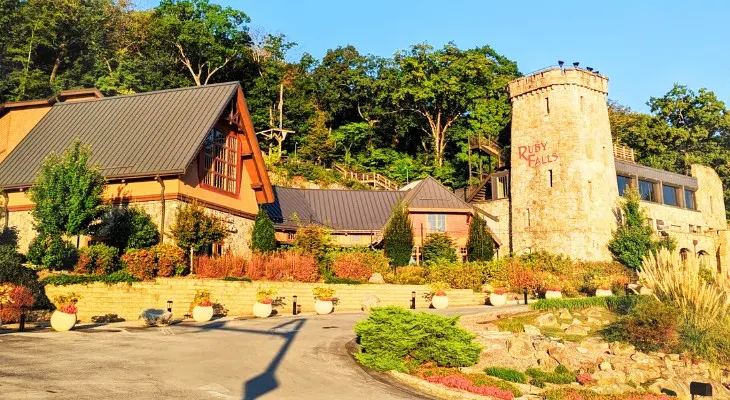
point(593, 321)
point(576, 322)
point(520, 346)
point(532, 330)
point(565, 314)
point(491, 327)
point(545, 362)
point(581, 350)
point(577, 330)
point(369, 301)
point(605, 366)
point(621, 349)
point(546, 320)
point(376, 277)
point(609, 378)
point(154, 317)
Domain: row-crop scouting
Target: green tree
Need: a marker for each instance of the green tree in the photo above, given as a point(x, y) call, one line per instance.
point(398, 236)
point(194, 230)
point(263, 236)
point(314, 240)
point(480, 246)
point(128, 228)
point(633, 237)
point(438, 246)
point(318, 144)
point(67, 193)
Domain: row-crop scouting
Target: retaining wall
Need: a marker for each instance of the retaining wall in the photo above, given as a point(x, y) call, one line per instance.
point(127, 300)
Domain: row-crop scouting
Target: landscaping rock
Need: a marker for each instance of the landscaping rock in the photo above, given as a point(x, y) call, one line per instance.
point(581, 350)
point(593, 321)
point(577, 330)
point(622, 349)
point(532, 330)
point(491, 327)
point(545, 362)
point(369, 301)
point(609, 378)
point(576, 322)
point(154, 317)
point(605, 366)
point(565, 314)
point(376, 277)
point(520, 346)
point(546, 320)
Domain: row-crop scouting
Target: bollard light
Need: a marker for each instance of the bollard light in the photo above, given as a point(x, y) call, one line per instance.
point(169, 305)
point(294, 306)
point(413, 300)
point(21, 326)
point(700, 389)
point(524, 291)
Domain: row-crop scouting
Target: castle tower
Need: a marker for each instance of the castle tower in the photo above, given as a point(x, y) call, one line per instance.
point(563, 176)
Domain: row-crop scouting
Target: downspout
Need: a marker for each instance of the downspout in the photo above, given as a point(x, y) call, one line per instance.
point(162, 214)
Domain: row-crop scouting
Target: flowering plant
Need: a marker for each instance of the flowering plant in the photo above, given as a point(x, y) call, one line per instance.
point(266, 295)
point(323, 293)
point(585, 379)
point(202, 298)
point(68, 309)
point(438, 288)
point(602, 282)
point(552, 283)
point(498, 291)
point(5, 299)
point(66, 303)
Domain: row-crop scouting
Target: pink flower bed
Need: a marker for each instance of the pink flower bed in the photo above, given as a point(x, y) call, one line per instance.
point(462, 383)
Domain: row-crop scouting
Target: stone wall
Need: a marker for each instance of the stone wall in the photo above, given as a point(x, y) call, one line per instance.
point(238, 297)
point(563, 178)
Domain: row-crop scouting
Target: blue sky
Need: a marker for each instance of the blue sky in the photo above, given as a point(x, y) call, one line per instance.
point(642, 46)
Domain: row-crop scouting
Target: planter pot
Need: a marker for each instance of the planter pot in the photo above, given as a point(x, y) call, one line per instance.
point(262, 310)
point(603, 292)
point(323, 307)
point(61, 322)
point(497, 299)
point(202, 314)
point(553, 294)
point(440, 302)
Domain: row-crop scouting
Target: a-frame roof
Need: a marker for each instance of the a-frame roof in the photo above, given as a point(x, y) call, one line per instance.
point(430, 195)
point(142, 135)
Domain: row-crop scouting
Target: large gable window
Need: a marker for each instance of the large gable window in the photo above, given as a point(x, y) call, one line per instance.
point(437, 223)
point(221, 158)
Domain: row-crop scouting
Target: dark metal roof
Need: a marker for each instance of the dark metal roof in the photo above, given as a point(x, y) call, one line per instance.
point(429, 193)
point(629, 168)
point(130, 136)
point(353, 210)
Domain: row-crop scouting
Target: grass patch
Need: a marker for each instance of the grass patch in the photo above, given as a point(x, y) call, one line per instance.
point(514, 325)
point(237, 279)
point(506, 374)
point(342, 281)
point(619, 304)
point(561, 376)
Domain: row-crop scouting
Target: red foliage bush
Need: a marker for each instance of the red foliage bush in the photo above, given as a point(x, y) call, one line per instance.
point(221, 267)
point(352, 265)
point(463, 383)
point(84, 263)
point(284, 265)
point(586, 379)
point(20, 298)
point(140, 263)
point(170, 259)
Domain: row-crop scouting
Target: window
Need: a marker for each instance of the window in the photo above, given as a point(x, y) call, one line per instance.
point(684, 255)
point(550, 173)
point(290, 236)
point(669, 194)
point(624, 182)
point(221, 161)
point(547, 105)
point(436, 222)
point(646, 191)
point(581, 103)
point(689, 199)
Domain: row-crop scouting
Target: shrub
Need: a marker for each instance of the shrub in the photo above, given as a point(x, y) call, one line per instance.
point(227, 265)
point(457, 275)
point(266, 295)
point(313, 240)
point(263, 236)
point(620, 304)
point(128, 228)
point(352, 265)
point(140, 263)
point(561, 376)
point(462, 383)
point(428, 371)
point(586, 394)
point(408, 276)
point(438, 246)
point(98, 259)
point(632, 240)
point(202, 298)
point(52, 252)
point(390, 334)
point(13, 299)
point(333, 280)
point(283, 265)
point(194, 229)
point(170, 260)
point(506, 374)
point(650, 326)
point(480, 246)
point(519, 277)
point(398, 236)
point(323, 293)
point(13, 271)
point(73, 279)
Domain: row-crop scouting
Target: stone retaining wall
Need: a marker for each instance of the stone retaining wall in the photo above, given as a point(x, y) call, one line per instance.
point(238, 297)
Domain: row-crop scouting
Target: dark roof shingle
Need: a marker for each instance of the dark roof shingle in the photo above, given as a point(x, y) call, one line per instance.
point(138, 135)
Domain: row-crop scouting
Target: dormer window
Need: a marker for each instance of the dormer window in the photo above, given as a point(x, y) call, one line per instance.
point(221, 159)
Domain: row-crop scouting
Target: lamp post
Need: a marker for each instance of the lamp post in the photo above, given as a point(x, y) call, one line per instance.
point(169, 306)
point(294, 305)
point(413, 300)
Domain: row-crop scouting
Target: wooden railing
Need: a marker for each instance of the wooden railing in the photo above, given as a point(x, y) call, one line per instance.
point(488, 146)
point(623, 152)
point(373, 179)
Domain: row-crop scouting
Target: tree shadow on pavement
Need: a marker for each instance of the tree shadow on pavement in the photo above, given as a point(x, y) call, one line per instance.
point(266, 381)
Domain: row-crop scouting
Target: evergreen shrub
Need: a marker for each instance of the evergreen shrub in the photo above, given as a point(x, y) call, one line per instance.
point(438, 247)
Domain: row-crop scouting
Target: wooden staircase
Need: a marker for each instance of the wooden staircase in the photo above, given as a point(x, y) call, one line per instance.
point(375, 180)
point(490, 147)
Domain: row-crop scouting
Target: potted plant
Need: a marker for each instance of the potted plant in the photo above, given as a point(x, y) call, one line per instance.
point(497, 297)
point(203, 310)
point(553, 290)
point(64, 318)
point(439, 299)
point(323, 296)
point(603, 286)
point(264, 300)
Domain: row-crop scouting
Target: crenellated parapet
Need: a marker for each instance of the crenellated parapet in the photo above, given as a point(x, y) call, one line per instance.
point(557, 76)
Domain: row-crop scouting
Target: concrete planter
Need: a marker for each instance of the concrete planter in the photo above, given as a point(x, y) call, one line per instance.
point(553, 294)
point(603, 292)
point(323, 307)
point(62, 322)
point(440, 302)
point(497, 299)
point(262, 310)
point(202, 314)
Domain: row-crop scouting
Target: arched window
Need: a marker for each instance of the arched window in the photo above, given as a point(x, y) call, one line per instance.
point(704, 258)
point(221, 159)
point(683, 255)
point(719, 262)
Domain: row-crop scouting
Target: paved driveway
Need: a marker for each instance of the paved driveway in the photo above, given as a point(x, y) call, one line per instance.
point(277, 358)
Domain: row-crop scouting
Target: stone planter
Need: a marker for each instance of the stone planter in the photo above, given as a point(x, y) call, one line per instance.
point(553, 294)
point(202, 313)
point(497, 299)
point(262, 310)
point(62, 322)
point(603, 292)
point(440, 302)
point(323, 307)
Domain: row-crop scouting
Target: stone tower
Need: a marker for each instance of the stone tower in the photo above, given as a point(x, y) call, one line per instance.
point(563, 176)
